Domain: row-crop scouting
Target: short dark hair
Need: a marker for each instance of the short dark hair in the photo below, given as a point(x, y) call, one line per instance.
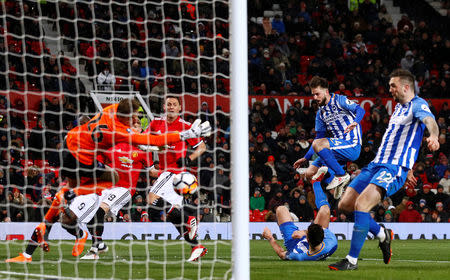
point(127, 107)
point(317, 81)
point(315, 235)
point(404, 75)
point(174, 97)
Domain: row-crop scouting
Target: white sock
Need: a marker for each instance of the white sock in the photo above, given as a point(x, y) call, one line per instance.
point(26, 255)
point(381, 235)
point(351, 259)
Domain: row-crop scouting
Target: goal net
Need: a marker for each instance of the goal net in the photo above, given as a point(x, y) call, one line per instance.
point(62, 60)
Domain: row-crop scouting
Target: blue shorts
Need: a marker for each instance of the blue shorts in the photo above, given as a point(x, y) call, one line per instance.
point(389, 177)
point(287, 229)
point(343, 151)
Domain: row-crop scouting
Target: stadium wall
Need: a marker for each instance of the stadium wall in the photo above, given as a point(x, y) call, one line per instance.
point(219, 231)
point(192, 103)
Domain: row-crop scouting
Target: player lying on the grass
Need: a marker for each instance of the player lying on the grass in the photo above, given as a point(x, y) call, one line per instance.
point(90, 197)
point(106, 129)
point(341, 117)
point(388, 172)
point(313, 244)
point(173, 161)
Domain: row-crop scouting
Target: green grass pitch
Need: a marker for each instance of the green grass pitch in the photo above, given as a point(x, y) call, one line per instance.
point(412, 259)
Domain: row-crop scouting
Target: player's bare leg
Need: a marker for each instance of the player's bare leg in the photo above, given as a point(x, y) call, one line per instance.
point(95, 227)
point(40, 234)
point(347, 202)
point(311, 171)
point(70, 223)
point(187, 226)
point(283, 215)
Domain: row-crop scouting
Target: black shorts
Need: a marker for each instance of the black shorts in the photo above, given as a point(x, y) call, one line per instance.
point(74, 169)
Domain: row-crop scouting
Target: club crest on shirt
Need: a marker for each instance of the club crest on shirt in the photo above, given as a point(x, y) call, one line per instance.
point(425, 108)
point(126, 161)
point(349, 102)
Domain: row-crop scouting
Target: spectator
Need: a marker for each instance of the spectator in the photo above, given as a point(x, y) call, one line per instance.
point(285, 171)
point(410, 215)
point(303, 211)
point(426, 194)
point(267, 193)
point(445, 181)
point(426, 215)
point(399, 208)
point(407, 62)
point(440, 195)
point(207, 216)
point(270, 169)
point(276, 200)
point(257, 200)
point(388, 217)
point(442, 166)
point(443, 215)
point(106, 80)
point(157, 95)
point(256, 182)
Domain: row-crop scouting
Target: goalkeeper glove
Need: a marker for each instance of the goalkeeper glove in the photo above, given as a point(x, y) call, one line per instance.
point(197, 129)
point(69, 195)
point(184, 162)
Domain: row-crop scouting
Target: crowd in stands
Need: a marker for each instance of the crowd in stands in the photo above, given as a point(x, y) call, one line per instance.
point(355, 50)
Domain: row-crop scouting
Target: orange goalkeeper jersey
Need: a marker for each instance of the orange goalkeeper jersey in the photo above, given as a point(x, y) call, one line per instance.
point(105, 130)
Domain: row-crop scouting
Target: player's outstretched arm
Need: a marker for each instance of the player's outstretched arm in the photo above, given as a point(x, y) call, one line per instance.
point(433, 139)
point(267, 234)
point(299, 162)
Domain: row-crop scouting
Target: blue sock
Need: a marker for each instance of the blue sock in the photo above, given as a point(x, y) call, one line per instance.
point(329, 178)
point(360, 230)
point(321, 197)
point(374, 227)
point(327, 156)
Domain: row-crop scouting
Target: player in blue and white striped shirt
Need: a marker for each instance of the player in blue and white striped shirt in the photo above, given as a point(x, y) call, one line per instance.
point(340, 117)
point(390, 169)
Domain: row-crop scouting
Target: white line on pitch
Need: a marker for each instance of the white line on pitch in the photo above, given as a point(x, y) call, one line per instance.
point(46, 276)
point(366, 259)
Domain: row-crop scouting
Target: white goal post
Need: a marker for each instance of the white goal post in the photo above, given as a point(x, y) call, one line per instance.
point(239, 140)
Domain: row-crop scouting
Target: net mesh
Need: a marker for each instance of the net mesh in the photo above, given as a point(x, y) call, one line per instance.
point(56, 55)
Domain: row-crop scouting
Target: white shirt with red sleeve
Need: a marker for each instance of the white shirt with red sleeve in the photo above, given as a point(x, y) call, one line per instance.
point(129, 162)
point(168, 158)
